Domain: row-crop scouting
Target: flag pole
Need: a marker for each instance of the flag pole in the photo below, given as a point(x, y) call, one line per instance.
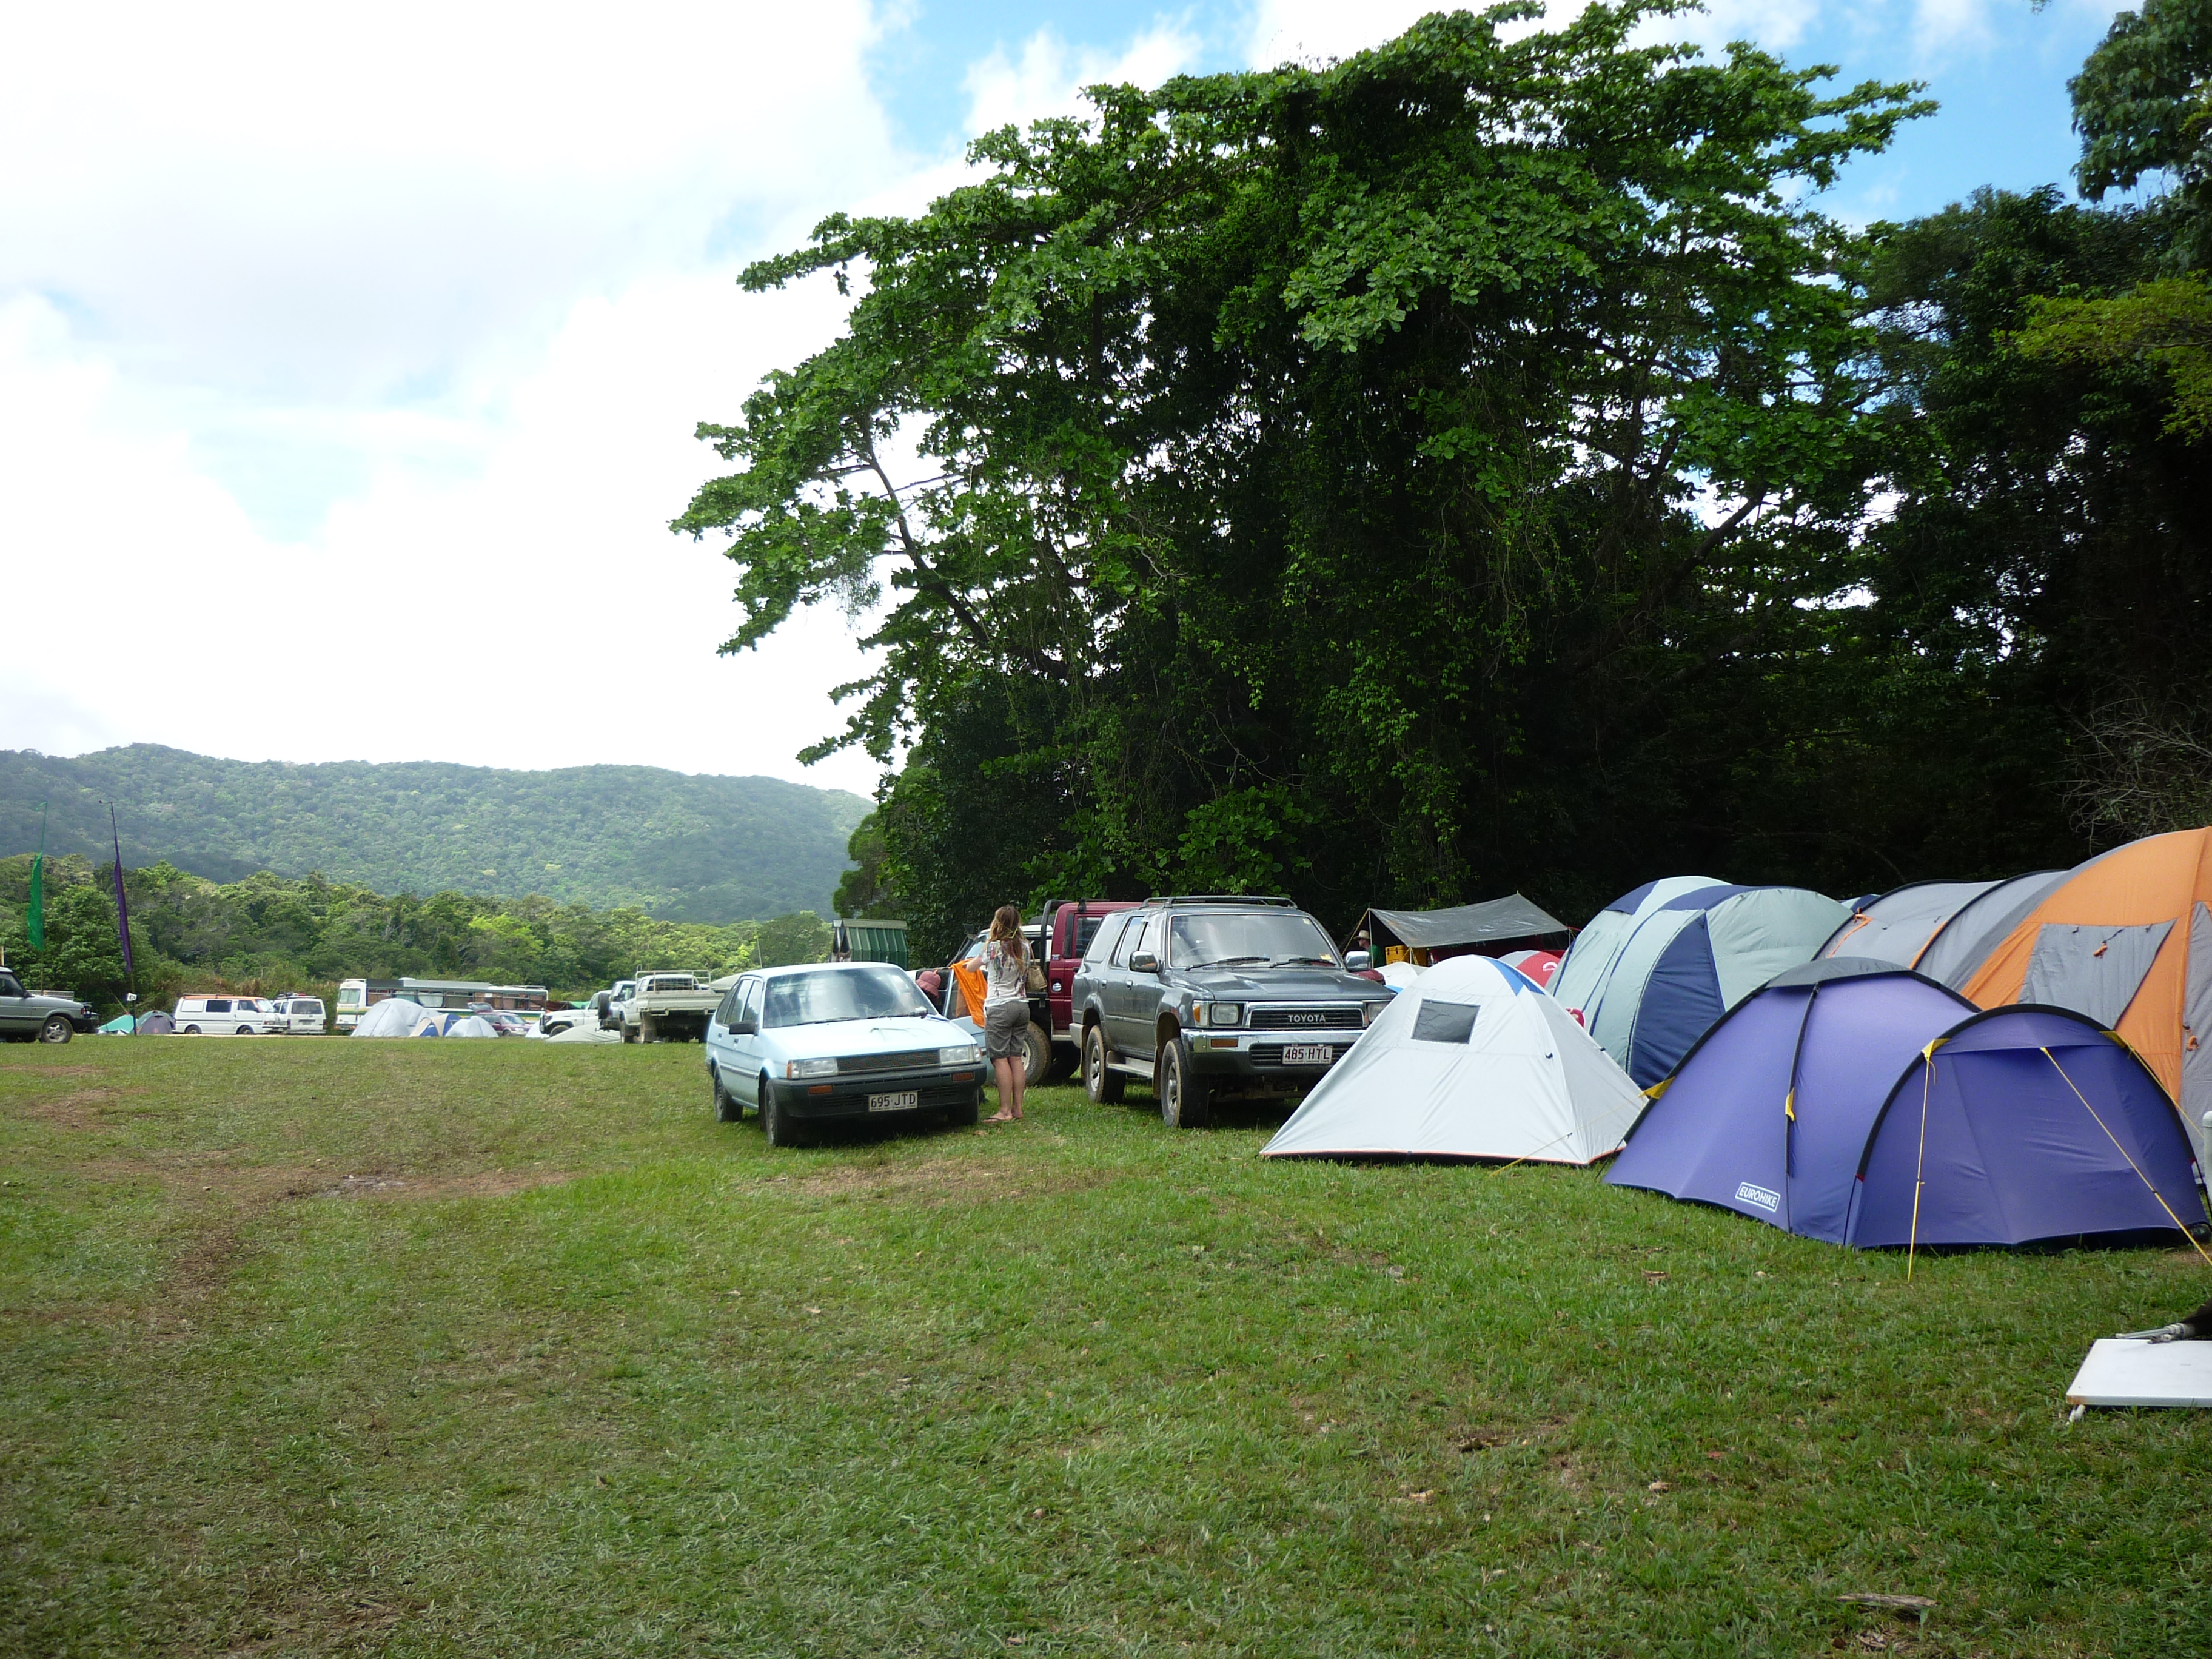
point(122, 915)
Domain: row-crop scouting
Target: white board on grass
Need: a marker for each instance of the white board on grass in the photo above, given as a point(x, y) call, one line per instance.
point(2118, 1373)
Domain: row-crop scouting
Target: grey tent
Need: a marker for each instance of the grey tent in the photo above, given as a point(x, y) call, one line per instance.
point(1937, 920)
point(1485, 929)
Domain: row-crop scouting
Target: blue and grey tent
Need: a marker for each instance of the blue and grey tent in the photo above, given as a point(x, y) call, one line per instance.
point(1656, 968)
point(1931, 925)
point(1770, 1112)
point(2019, 1124)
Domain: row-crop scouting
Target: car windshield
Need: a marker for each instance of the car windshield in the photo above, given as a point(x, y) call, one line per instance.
point(1249, 938)
point(837, 994)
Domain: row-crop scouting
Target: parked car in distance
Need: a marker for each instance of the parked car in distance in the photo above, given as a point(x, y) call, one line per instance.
point(505, 1021)
point(1069, 926)
point(666, 1007)
point(40, 1017)
point(218, 1016)
point(815, 1043)
point(297, 1016)
point(1213, 996)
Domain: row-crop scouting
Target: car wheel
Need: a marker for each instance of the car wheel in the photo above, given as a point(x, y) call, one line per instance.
point(727, 1110)
point(1100, 1085)
point(243, 1030)
point(1185, 1102)
point(1037, 1061)
point(55, 1030)
point(629, 1033)
point(776, 1119)
point(191, 1030)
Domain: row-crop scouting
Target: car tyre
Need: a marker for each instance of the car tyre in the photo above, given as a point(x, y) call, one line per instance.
point(1037, 1060)
point(191, 1030)
point(1186, 1099)
point(727, 1110)
point(1101, 1087)
point(243, 1030)
point(776, 1118)
point(57, 1030)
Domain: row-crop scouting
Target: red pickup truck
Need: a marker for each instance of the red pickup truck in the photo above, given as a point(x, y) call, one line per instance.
point(1069, 926)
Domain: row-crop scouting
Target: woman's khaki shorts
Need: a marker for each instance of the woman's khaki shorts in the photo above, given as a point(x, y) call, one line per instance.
point(1006, 1029)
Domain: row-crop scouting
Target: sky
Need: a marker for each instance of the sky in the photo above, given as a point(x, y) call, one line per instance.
point(349, 359)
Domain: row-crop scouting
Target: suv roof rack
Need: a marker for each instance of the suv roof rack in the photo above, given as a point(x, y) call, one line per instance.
point(1274, 899)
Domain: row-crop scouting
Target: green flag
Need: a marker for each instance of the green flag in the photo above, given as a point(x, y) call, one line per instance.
point(38, 923)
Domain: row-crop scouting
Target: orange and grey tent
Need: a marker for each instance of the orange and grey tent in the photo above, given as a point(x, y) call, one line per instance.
point(1925, 925)
point(2125, 939)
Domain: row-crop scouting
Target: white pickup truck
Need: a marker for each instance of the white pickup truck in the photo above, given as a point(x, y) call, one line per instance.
point(666, 1007)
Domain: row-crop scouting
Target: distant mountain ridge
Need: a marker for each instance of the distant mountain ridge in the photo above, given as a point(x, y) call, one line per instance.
point(709, 849)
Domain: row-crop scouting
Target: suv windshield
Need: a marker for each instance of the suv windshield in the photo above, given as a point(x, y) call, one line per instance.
point(843, 994)
point(1249, 938)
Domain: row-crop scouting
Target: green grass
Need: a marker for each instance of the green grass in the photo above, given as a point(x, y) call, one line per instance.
point(599, 1376)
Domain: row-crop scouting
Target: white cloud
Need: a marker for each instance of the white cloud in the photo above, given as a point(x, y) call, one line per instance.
point(1049, 76)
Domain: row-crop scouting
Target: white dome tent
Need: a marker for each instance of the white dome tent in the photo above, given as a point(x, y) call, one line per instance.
point(394, 1016)
point(1471, 1061)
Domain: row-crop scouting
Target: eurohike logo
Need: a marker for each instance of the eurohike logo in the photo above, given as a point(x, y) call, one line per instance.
point(1764, 1197)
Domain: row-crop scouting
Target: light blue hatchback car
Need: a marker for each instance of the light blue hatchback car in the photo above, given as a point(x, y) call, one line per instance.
point(846, 1040)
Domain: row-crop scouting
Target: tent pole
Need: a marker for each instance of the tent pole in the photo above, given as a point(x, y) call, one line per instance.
point(1920, 1166)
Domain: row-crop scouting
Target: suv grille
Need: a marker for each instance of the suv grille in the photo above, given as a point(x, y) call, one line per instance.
point(1328, 1016)
point(913, 1060)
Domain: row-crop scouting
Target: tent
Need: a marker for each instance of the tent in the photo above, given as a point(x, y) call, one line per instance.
point(1471, 1061)
point(1423, 937)
point(121, 1025)
point(1769, 1114)
point(394, 1016)
point(156, 1023)
point(471, 1025)
point(1539, 965)
point(583, 1032)
point(2023, 1123)
point(1590, 958)
point(1676, 964)
point(1929, 919)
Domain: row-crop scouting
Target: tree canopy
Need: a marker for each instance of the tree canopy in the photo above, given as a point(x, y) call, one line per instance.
point(1474, 465)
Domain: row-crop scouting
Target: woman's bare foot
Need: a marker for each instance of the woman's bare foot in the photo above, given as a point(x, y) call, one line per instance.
point(1000, 1117)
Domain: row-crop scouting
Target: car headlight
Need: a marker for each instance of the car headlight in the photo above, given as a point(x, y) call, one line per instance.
point(811, 1068)
point(1218, 1014)
point(1371, 1011)
point(961, 1053)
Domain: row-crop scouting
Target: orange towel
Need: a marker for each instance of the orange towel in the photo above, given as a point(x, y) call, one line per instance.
point(972, 987)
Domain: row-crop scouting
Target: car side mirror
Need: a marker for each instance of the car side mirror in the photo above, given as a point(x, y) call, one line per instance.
point(1144, 962)
point(744, 1027)
point(1355, 960)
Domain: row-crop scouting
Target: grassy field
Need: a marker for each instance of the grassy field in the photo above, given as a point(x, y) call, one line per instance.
point(446, 1348)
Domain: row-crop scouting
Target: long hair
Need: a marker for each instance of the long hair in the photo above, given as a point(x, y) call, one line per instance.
point(1007, 929)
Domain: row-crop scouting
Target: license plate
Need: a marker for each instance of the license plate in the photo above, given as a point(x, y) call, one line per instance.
point(1308, 1054)
point(905, 1102)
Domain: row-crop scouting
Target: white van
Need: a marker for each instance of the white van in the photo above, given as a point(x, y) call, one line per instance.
point(300, 1016)
point(225, 1016)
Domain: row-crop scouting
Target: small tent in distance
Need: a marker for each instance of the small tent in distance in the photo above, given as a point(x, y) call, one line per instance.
point(1491, 928)
point(1470, 1061)
point(394, 1016)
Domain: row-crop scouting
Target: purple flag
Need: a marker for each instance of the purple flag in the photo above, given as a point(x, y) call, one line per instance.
point(122, 905)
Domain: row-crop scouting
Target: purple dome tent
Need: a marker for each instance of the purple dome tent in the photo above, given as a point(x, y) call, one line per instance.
point(1770, 1112)
point(2023, 1123)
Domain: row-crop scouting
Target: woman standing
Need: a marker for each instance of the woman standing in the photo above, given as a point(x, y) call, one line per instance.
point(1006, 1011)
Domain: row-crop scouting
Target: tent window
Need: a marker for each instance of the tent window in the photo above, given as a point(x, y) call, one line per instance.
point(2093, 970)
point(1445, 1022)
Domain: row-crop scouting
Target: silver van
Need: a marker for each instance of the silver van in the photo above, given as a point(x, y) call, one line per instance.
point(300, 1016)
point(213, 1016)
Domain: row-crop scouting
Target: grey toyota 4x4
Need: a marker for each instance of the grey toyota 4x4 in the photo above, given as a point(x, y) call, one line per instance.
point(1210, 996)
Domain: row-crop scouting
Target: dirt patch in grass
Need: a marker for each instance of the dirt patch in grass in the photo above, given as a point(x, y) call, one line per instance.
point(55, 1071)
point(943, 1181)
point(80, 1110)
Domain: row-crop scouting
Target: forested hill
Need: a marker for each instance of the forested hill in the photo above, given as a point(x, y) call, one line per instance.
point(709, 849)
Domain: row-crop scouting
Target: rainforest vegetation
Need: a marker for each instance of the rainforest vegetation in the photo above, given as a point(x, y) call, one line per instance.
point(1480, 465)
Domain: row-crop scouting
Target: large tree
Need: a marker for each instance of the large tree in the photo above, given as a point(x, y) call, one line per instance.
point(1405, 477)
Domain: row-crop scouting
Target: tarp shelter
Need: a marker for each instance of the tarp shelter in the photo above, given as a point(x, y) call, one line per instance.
point(394, 1016)
point(1769, 1115)
point(1929, 919)
point(1540, 965)
point(1671, 966)
point(1471, 1061)
point(121, 1025)
point(2125, 939)
point(1423, 937)
point(2023, 1123)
